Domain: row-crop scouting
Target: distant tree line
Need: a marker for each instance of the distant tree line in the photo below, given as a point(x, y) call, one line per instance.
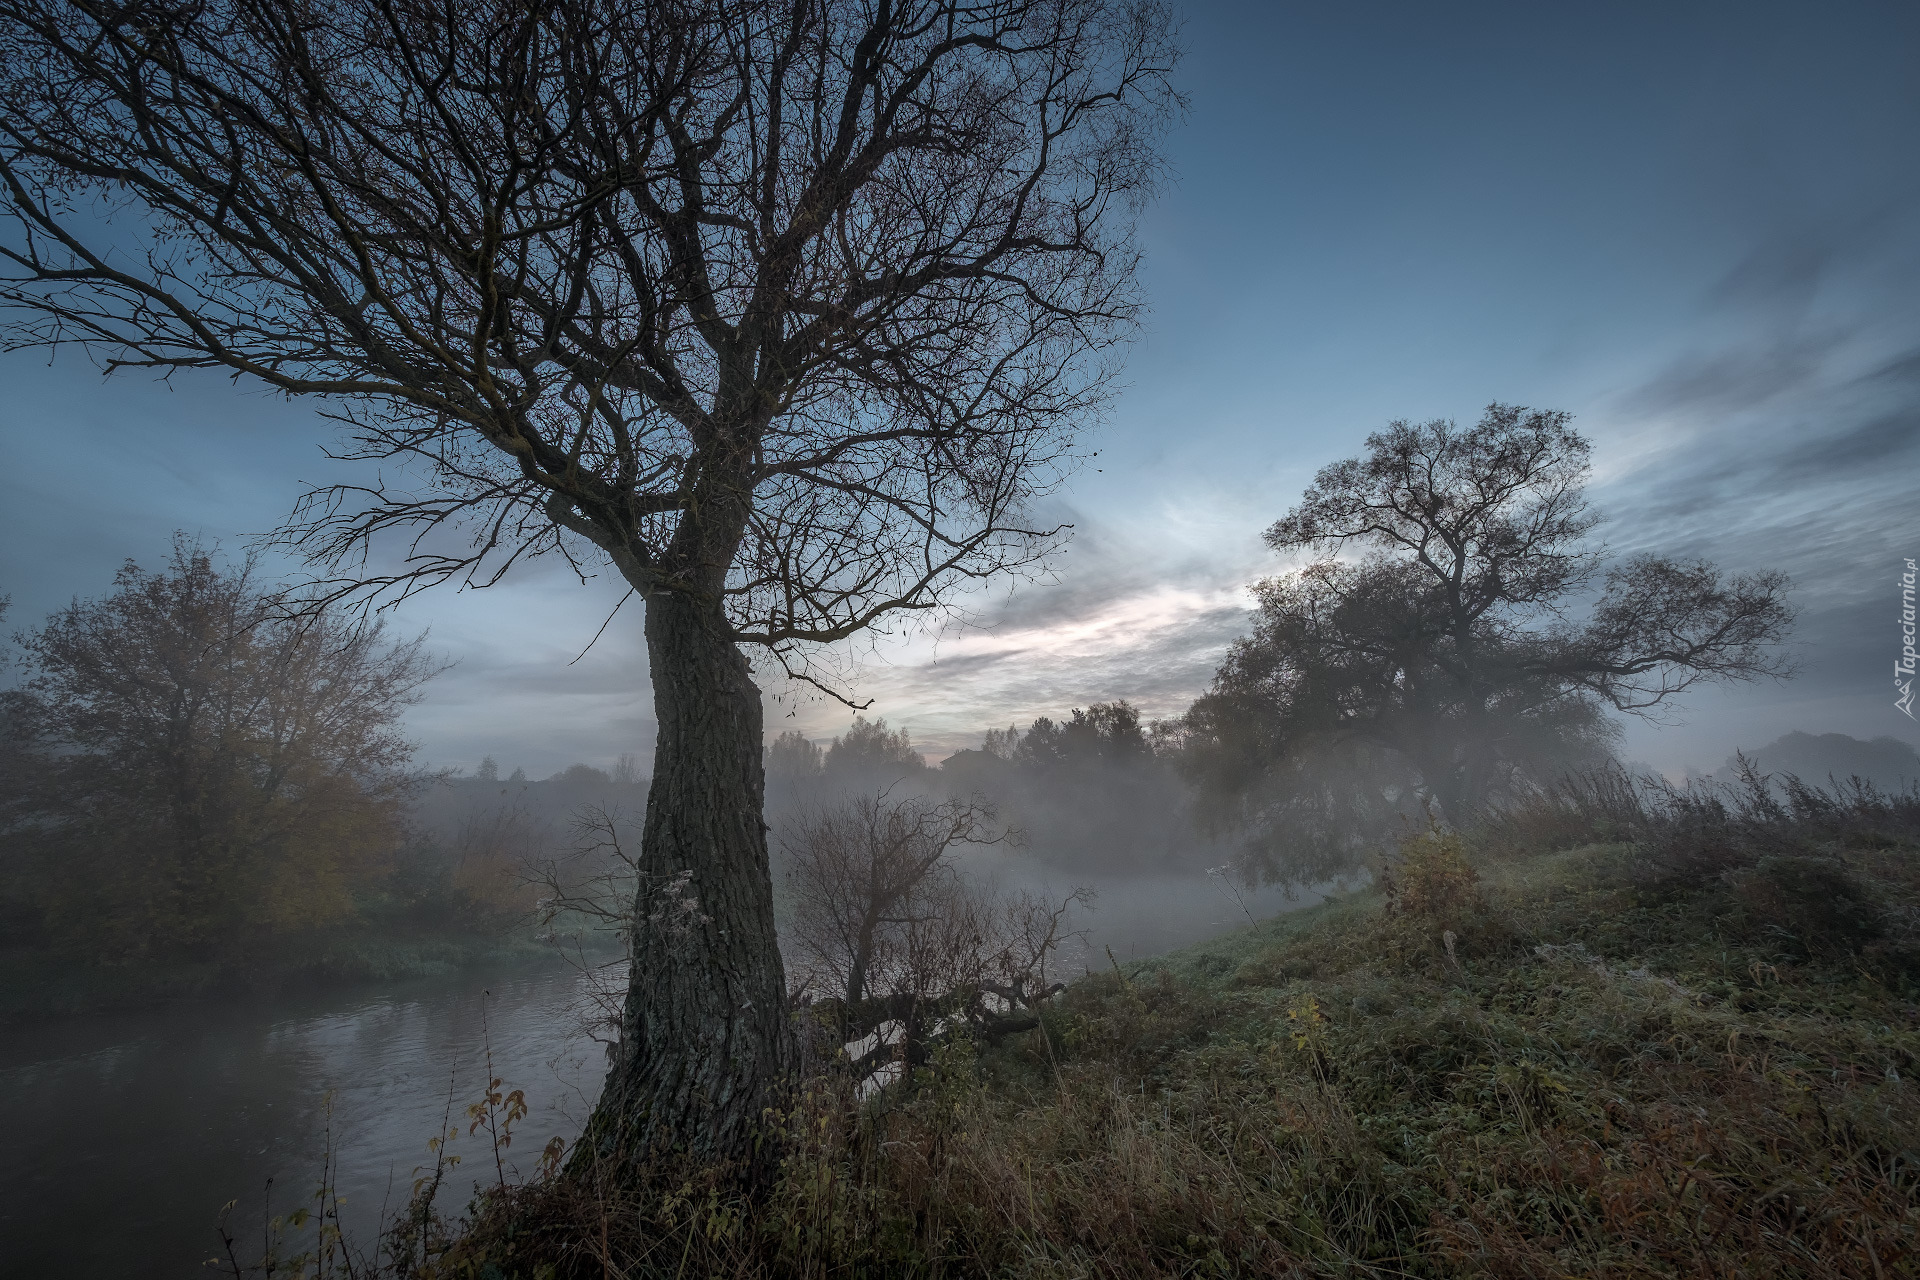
point(1086, 790)
point(200, 764)
point(1458, 641)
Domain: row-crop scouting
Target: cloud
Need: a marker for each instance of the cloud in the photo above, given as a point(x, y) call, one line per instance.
point(1785, 443)
point(1783, 273)
point(1822, 438)
point(1729, 381)
point(1796, 406)
point(1875, 443)
point(1133, 613)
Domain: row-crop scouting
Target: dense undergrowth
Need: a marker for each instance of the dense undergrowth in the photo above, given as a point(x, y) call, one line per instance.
point(1689, 1050)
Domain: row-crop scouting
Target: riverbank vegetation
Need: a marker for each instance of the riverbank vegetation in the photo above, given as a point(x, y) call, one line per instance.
point(204, 785)
point(1621, 1030)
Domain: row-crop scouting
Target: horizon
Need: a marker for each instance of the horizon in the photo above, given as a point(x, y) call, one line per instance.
point(1681, 227)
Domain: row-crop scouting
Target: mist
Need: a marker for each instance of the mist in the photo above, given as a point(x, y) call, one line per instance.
point(1081, 800)
point(1218, 627)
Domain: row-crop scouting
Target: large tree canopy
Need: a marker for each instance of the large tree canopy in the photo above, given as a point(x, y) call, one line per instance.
point(795, 302)
point(1445, 662)
point(204, 763)
point(787, 311)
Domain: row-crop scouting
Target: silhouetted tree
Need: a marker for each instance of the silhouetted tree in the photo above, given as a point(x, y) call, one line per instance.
point(793, 760)
point(1447, 647)
point(1105, 734)
point(864, 875)
point(212, 762)
point(786, 311)
point(870, 753)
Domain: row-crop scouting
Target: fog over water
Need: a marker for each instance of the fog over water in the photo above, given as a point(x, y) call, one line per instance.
point(130, 1130)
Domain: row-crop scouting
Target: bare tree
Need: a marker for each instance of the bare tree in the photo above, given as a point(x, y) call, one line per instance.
point(584, 908)
point(888, 933)
point(861, 871)
point(786, 311)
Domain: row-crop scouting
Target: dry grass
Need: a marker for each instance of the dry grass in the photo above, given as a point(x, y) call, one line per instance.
point(1624, 1065)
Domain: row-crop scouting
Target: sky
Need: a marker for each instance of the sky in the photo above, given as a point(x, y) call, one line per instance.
point(1695, 226)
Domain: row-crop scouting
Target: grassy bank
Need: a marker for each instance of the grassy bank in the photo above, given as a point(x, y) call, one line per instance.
point(1693, 1054)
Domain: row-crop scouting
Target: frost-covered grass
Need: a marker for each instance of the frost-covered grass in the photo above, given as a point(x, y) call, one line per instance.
point(1695, 1053)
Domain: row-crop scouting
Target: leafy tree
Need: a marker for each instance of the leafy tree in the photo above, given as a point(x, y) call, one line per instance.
point(793, 760)
point(1107, 733)
point(870, 752)
point(783, 311)
point(212, 763)
point(1444, 662)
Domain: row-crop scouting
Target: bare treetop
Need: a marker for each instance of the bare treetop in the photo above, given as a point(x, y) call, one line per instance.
point(1494, 514)
point(803, 303)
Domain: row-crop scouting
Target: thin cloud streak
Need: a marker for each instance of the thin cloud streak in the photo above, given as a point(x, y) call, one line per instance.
point(1130, 616)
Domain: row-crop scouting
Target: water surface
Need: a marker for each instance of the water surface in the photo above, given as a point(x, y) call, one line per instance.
point(125, 1133)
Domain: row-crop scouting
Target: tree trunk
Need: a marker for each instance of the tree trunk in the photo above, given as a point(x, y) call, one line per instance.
point(704, 1042)
point(1441, 774)
point(862, 956)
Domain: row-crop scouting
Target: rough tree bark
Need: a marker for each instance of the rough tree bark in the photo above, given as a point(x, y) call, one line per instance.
point(704, 1044)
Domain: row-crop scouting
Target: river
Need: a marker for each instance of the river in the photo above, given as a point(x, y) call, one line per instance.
point(126, 1132)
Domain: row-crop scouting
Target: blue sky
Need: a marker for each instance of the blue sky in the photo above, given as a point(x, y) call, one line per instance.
point(1695, 226)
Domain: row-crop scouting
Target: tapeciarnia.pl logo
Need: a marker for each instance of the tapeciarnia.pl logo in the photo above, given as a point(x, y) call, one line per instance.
point(1903, 669)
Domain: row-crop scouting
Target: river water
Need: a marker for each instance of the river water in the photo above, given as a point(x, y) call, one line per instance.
point(125, 1133)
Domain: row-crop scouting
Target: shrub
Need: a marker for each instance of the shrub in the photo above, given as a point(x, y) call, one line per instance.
point(1432, 878)
point(1810, 906)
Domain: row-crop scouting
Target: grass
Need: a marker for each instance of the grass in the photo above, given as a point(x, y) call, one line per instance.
point(1691, 1053)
